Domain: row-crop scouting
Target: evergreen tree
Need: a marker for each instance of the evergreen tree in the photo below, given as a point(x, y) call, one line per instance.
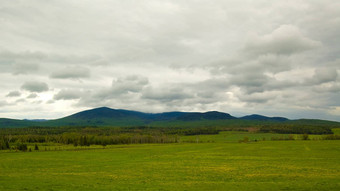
point(7, 145)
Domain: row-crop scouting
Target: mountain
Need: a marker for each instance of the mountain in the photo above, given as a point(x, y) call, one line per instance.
point(118, 117)
point(35, 119)
point(107, 117)
point(5, 122)
point(263, 118)
point(211, 115)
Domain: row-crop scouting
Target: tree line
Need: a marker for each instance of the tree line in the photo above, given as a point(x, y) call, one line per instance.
point(16, 138)
point(293, 129)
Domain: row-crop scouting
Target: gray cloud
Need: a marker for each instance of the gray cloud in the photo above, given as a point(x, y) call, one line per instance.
point(20, 63)
point(32, 96)
point(324, 75)
point(50, 102)
point(127, 84)
point(67, 95)
point(263, 97)
point(122, 88)
point(231, 56)
point(13, 94)
point(21, 68)
point(166, 94)
point(4, 103)
point(71, 73)
point(286, 40)
point(34, 86)
point(20, 100)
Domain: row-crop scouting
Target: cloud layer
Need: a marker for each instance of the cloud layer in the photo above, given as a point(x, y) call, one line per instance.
point(240, 57)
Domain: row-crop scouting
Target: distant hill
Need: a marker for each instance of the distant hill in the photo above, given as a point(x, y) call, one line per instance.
point(263, 118)
point(107, 117)
point(5, 122)
point(211, 115)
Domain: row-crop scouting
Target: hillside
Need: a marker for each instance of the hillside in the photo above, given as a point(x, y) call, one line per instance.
point(107, 117)
point(263, 118)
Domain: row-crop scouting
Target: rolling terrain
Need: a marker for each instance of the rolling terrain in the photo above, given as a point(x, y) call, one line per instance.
point(107, 117)
point(265, 165)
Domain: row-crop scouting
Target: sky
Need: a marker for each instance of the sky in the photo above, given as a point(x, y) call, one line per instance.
point(275, 58)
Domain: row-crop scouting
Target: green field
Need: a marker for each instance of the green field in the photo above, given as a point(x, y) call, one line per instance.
point(262, 165)
point(231, 136)
point(236, 136)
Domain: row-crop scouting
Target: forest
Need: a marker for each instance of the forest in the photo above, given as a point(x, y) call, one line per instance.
point(17, 138)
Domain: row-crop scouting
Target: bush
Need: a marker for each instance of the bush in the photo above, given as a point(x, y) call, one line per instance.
point(331, 137)
point(292, 129)
point(245, 140)
point(22, 146)
point(305, 137)
point(4, 145)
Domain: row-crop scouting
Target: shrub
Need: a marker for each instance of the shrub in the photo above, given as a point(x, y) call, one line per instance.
point(331, 137)
point(305, 137)
point(245, 140)
point(22, 146)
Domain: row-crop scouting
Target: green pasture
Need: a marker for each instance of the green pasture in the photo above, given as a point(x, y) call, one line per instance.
point(236, 136)
point(262, 165)
point(230, 136)
point(336, 131)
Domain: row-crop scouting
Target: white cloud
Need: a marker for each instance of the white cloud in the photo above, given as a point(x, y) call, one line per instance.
point(155, 55)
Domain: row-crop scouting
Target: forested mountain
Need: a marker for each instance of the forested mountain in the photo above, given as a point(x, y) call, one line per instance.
point(263, 118)
point(107, 117)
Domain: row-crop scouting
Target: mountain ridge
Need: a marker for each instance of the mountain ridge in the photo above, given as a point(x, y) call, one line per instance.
point(262, 117)
point(105, 116)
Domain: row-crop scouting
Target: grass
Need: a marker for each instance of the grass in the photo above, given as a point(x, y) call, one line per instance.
point(230, 136)
point(336, 131)
point(236, 136)
point(264, 165)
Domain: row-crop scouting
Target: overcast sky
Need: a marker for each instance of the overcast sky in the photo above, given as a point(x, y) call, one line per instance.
point(276, 58)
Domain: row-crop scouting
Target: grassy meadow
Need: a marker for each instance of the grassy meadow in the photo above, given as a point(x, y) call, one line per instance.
point(216, 162)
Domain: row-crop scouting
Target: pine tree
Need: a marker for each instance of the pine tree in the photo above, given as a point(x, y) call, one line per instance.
point(7, 145)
